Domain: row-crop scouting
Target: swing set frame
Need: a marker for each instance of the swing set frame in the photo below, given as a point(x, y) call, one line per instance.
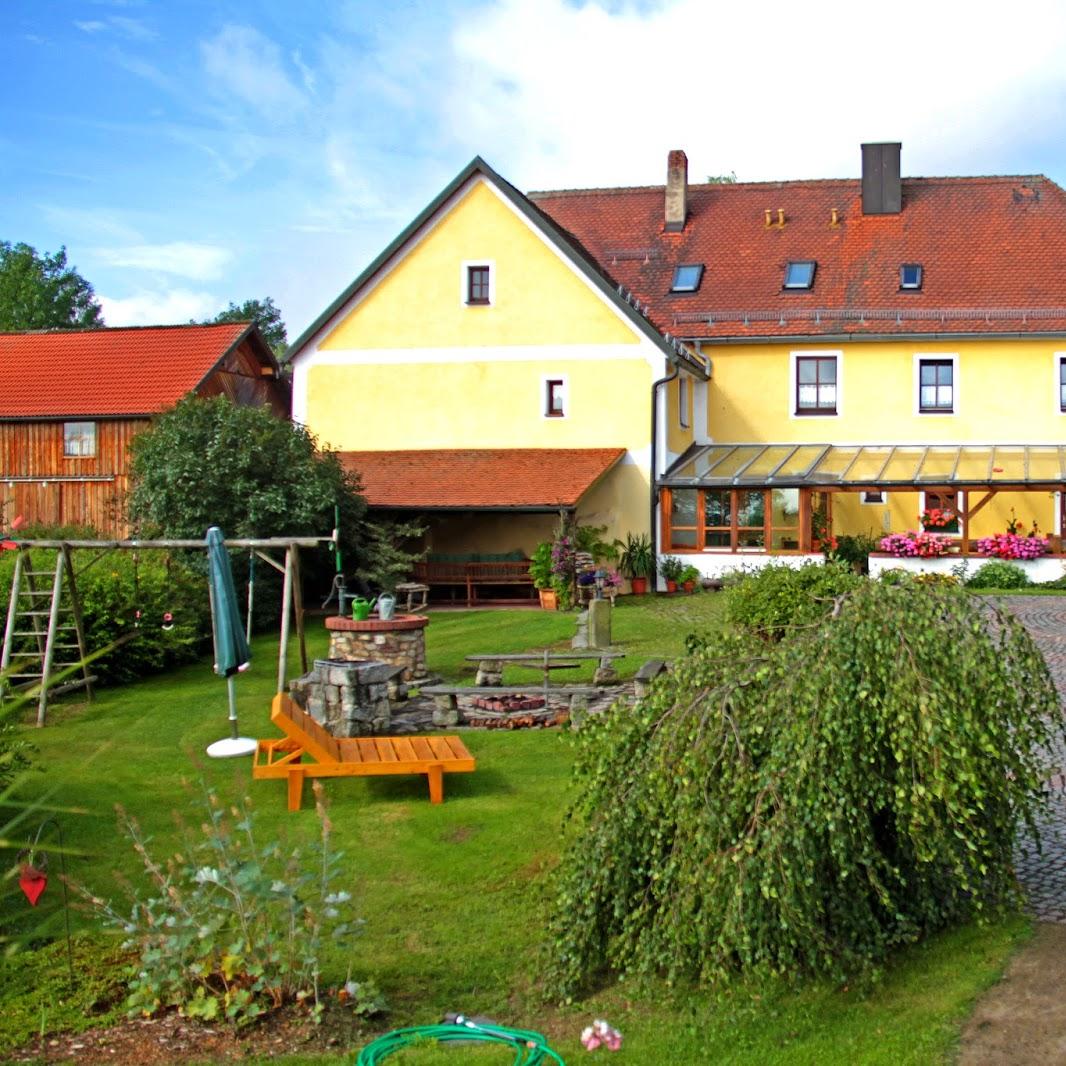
point(264, 548)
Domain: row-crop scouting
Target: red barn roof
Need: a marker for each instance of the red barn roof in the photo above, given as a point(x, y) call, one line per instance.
point(108, 372)
point(992, 249)
point(541, 479)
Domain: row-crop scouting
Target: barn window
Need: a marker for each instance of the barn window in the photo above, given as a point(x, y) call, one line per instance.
point(79, 439)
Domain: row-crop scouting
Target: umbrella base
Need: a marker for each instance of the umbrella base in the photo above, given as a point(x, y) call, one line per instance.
point(231, 747)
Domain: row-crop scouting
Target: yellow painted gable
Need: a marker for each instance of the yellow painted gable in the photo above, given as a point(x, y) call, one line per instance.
point(539, 300)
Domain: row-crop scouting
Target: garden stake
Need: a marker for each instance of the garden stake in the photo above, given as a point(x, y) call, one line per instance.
point(33, 879)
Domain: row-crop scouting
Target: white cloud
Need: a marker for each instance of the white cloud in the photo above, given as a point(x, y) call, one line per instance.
point(147, 308)
point(572, 95)
point(306, 73)
point(90, 224)
point(242, 63)
point(91, 26)
point(202, 262)
point(135, 29)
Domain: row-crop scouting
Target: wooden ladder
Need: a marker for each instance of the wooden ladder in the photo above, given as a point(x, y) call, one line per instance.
point(44, 625)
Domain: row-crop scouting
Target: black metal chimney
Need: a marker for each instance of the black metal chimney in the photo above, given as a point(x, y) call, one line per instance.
point(882, 192)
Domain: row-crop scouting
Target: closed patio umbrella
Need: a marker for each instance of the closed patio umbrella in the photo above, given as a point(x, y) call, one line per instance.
point(231, 648)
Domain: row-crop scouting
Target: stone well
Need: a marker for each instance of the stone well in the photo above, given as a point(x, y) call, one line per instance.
point(401, 641)
point(351, 699)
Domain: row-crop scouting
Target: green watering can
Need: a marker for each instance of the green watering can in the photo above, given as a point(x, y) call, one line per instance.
point(361, 608)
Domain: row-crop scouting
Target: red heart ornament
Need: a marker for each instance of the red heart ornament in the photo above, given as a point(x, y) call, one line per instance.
point(32, 882)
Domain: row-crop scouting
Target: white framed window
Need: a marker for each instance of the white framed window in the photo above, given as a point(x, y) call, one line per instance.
point(1060, 383)
point(936, 384)
point(684, 393)
point(878, 498)
point(477, 283)
point(816, 384)
point(554, 396)
point(79, 440)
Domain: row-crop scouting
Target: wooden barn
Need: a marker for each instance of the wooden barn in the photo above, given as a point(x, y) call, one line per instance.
point(71, 402)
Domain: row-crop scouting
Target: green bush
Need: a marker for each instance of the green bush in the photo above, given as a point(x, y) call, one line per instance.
point(998, 575)
point(113, 590)
point(211, 462)
point(809, 804)
point(233, 927)
point(778, 596)
point(854, 550)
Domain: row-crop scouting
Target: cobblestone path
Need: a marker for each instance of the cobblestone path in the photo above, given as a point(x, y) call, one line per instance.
point(1044, 875)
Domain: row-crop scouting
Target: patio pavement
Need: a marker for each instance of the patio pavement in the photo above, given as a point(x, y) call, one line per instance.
point(1044, 875)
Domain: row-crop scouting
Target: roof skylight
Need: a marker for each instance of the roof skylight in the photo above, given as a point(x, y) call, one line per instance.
point(910, 276)
point(687, 277)
point(800, 274)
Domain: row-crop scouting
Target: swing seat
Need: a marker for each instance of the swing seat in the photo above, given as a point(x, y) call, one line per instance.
point(351, 757)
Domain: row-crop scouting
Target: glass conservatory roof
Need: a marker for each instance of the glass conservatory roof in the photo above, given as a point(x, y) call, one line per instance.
point(873, 465)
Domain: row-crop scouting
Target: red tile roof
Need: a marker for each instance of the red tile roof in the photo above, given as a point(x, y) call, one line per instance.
point(993, 252)
point(517, 478)
point(102, 372)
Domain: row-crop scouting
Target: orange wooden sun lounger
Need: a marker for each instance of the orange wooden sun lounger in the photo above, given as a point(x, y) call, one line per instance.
point(351, 757)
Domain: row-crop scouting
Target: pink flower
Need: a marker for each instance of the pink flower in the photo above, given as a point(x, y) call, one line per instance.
point(600, 1032)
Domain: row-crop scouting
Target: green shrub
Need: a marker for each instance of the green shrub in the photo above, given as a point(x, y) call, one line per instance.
point(113, 590)
point(936, 579)
point(233, 927)
point(807, 805)
point(998, 575)
point(778, 596)
point(854, 550)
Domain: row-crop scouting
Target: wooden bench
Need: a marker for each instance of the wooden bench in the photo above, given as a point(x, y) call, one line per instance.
point(474, 575)
point(433, 756)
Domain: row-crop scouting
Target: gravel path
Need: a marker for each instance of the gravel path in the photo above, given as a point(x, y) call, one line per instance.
point(1044, 875)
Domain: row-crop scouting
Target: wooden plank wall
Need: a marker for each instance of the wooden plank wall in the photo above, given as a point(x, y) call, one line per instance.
point(35, 449)
point(240, 380)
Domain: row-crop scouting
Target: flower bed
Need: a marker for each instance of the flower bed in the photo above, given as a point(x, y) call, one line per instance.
point(912, 544)
point(1012, 546)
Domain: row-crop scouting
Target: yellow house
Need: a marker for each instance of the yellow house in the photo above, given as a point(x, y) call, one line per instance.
point(485, 373)
point(880, 348)
point(744, 369)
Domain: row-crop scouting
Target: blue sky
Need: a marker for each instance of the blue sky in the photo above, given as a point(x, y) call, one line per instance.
point(191, 153)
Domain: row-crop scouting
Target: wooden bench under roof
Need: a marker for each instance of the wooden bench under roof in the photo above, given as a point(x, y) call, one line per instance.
point(433, 756)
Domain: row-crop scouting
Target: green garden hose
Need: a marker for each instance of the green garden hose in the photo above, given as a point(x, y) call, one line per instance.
point(531, 1049)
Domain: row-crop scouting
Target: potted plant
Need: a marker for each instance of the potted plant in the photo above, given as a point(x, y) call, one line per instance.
point(671, 567)
point(636, 561)
point(688, 578)
point(540, 569)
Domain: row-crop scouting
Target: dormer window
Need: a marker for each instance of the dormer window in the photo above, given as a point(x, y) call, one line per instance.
point(687, 277)
point(910, 276)
point(800, 274)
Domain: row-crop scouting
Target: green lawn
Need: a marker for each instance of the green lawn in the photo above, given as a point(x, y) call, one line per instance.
point(453, 896)
point(646, 627)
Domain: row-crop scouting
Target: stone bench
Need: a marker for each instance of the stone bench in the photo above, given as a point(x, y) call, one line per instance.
point(646, 675)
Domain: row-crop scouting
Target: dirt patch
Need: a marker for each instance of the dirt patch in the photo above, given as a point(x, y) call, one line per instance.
point(459, 834)
point(1022, 1019)
point(172, 1039)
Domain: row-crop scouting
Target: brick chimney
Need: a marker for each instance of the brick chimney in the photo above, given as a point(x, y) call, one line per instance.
point(676, 191)
point(882, 191)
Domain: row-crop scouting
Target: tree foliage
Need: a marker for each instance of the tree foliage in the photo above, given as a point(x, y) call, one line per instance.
point(43, 291)
point(805, 805)
point(266, 315)
point(784, 596)
point(209, 462)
